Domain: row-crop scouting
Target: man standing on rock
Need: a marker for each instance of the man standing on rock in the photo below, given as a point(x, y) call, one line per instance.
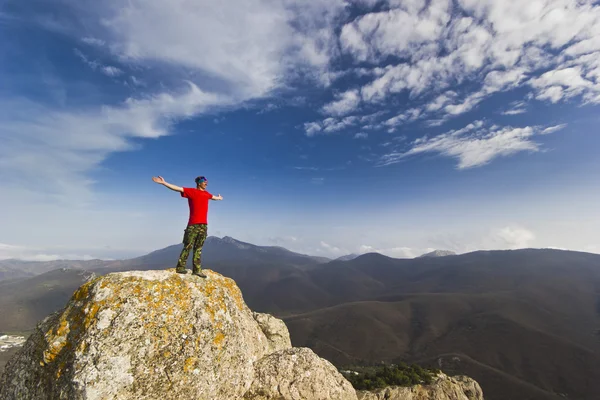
point(196, 230)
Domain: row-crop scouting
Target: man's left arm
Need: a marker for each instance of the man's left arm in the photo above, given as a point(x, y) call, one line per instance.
point(219, 197)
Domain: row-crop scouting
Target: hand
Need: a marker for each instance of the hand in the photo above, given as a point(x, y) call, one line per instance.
point(219, 197)
point(158, 179)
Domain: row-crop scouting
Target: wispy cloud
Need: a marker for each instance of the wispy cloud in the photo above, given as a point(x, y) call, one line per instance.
point(252, 43)
point(516, 108)
point(502, 237)
point(108, 70)
point(344, 104)
point(331, 249)
point(476, 144)
point(111, 71)
point(312, 128)
point(407, 116)
point(93, 41)
point(307, 168)
point(552, 129)
point(329, 125)
point(55, 150)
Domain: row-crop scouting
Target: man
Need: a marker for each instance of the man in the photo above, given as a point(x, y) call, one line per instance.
point(196, 230)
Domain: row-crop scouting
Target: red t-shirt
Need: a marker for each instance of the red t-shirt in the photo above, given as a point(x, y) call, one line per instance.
point(198, 202)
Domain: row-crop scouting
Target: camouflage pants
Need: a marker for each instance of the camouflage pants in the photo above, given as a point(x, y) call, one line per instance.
point(194, 237)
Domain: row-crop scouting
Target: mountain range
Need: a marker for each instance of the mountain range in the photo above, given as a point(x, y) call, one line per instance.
point(524, 323)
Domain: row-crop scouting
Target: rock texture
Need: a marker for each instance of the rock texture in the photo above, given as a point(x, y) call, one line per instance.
point(275, 330)
point(299, 374)
point(444, 388)
point(162, 335)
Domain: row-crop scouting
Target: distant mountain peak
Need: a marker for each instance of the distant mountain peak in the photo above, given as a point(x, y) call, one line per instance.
point(236, 243)
point(438, 253)
point(348, 257)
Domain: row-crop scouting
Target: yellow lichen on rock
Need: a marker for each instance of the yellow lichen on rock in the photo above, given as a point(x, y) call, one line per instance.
point(148, 334)
point(56, 339)
point(219, 337)
point(190, 364)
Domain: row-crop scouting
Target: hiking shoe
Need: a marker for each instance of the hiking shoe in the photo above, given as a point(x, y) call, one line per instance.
point(181, 270)
point(199, 273)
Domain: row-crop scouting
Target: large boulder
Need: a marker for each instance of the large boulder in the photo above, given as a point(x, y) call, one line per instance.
point(297, 373)
point(443, 388)
point(275, 330)
point(160, 335)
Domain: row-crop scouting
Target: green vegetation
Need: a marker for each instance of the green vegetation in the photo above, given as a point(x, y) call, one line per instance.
point(368, 378)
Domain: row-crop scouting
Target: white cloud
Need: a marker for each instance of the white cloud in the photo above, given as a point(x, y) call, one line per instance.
point(331, 249)
point(562, 84)
point(344, 104)
point(553, 93)
point(307, 168)
point(504, 43)
point(442, 100)
point(92, 64)
point(54, 150)
point(407, 116)
point(475, 145)
point(312, 128)
point(552, 129)
point(96, 65)
point(514, 237)
point(93, 41)
point(248, 46)
point(500, 80)
point(507, 237)
point(111, 71)
point(516, 108)
point(514, 111)
point(466, 105)
point(283, 240)
point(399, 31)
point(329, 125)
point(246, 38)
point(136, 81)
point(361, 135)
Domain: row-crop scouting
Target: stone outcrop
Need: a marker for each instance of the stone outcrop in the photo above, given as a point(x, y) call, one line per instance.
point(297, 373)
point(162, 335)
point(443, 388)
point(275, 330)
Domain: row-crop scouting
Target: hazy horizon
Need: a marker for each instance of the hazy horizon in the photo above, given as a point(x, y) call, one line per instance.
point(130, 255)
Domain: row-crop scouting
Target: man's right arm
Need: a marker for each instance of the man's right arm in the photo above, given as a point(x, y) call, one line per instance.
point(161, 181)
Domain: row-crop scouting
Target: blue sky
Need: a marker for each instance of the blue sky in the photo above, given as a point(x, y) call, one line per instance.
point(329, 127)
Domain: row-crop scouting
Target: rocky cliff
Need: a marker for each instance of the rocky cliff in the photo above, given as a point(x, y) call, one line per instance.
point(443, 388)
point(162, 335)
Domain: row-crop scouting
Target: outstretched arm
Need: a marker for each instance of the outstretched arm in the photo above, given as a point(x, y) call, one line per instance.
point(161, 181)
point(219, 197)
